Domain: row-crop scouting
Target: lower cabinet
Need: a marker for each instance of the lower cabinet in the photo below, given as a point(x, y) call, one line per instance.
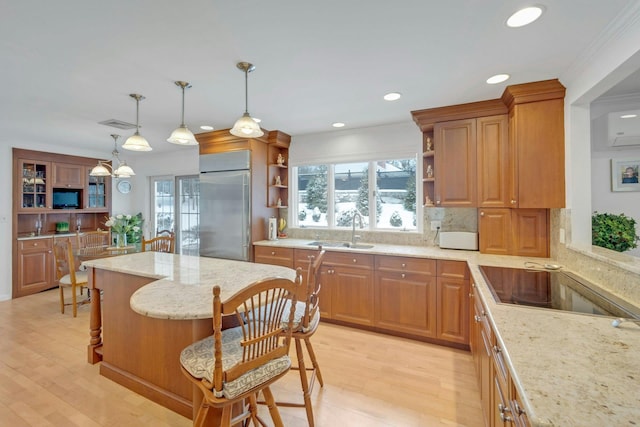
point(35, 266)
point(403, 295)
point(501, 405)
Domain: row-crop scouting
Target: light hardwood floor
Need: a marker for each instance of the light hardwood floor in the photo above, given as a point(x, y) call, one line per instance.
point(371, 380)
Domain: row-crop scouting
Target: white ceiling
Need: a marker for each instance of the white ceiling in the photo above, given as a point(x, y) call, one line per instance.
point(70, 64)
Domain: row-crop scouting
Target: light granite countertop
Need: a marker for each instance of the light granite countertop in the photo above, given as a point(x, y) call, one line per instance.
point(185, 283)
point(570, 369)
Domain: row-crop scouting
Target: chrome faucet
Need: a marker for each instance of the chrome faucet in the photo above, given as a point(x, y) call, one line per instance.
point(353, 227)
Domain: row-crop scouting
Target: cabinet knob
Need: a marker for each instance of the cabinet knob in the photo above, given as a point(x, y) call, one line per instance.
point(49, 251)
point(502, 409)
point(35, 244)
point(477, 318)
point(355, 261)
point(496, 349)
point(403, 275)
point(404, 265)
point(273, 252)
point(513, 202)
point(437, 202)
point(470, 294)
point(481, 213)
point(518, 410)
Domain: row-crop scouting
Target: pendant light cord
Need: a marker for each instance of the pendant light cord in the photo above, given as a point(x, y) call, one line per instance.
point(246, 91)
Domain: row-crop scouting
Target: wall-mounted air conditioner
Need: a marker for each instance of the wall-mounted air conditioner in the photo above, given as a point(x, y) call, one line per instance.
point(623, 128)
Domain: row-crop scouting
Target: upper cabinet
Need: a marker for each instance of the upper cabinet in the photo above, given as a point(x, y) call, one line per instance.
point(536, 139)
point(96, 197)
point(66, 175)
point(32, 185)
point(506, 152)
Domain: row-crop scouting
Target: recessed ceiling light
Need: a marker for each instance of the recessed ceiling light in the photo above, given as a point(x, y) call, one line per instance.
point(338, 125)
point(498, 78)
point(628, 116)
point(205, 127)
point(392, 96)
point(524, 16)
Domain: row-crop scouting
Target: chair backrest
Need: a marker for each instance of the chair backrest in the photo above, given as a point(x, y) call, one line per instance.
point(165, 233)
point(258, 309)
point(313, 287)
point(63, 256)
point(159, 244)
point(94, 239)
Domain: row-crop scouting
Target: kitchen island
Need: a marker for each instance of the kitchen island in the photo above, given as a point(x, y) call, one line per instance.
point(154, 305)
point(568, 369)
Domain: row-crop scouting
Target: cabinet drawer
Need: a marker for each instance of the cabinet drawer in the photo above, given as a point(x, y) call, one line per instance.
point(453, 269)
point(273, 255)
point(301, 257)
point(35, 244)
point(351, 260)
point(408, 264)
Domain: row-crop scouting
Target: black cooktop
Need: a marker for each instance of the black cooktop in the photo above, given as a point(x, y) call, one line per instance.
point(557, 290)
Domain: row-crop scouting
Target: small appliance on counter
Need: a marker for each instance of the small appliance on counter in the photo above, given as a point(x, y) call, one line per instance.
point(273, 229)
point(459, 240)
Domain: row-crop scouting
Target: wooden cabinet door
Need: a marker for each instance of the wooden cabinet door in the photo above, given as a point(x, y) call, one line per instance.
point(351, 281)
point(325, 292)
point(537, 139)
point(66, 175)
point(35, 267)
point(494, 229)
point(530, 232)
point(453, 310)
point(406, 302)
point(33, 185)
point(273, 255)
point(97, 191)
point(494, 176)
point(455, 163)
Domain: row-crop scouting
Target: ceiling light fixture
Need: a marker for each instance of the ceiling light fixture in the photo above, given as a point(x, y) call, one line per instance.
point(338, 125)
point(524, 16)
point(498, 78)
point(136, 142)
point(102, 168)
point(392, 96)
point(182, 135)
point(245, 126)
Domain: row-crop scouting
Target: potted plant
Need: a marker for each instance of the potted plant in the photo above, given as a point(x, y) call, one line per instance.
point(616, 232)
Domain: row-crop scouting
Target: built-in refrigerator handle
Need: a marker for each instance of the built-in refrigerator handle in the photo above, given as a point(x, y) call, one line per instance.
point(245, 215)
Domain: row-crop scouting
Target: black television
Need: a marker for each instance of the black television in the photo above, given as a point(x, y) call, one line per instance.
point(66, 198)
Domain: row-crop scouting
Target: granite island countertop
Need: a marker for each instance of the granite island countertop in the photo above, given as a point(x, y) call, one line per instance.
point(569, 369)
point(183, 289)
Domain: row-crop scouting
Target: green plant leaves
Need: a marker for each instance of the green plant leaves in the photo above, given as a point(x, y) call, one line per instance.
point(616, 232)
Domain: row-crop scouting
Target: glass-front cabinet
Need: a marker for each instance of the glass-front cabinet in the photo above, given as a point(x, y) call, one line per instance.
point(35, 185)
point(96, 191)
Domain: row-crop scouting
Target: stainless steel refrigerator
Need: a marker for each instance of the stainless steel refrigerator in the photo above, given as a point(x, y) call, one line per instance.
point(225, 205)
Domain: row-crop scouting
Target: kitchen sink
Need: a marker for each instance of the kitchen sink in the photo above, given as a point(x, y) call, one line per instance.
point(332, 244)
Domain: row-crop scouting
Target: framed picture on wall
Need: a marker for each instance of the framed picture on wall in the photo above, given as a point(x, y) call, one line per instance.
point(624, 175)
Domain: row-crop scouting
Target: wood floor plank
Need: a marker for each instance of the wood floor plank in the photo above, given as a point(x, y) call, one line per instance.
point(370, 379)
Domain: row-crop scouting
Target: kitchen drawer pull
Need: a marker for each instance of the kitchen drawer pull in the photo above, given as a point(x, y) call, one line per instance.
point(518, 409)
point(478, 318)
point(403, 275)
point(496, 349)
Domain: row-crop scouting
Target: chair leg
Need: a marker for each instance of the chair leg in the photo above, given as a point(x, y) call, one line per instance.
point(273, 409)
point(314, 362)
point(304, 381)
point(74, 301)
point(201, 416)
point(61, 299)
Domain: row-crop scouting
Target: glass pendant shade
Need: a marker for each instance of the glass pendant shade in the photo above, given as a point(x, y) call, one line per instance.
point(100, 170)
point(136, 142)
point(246, 127)
point(182, 135)
point(123, 171)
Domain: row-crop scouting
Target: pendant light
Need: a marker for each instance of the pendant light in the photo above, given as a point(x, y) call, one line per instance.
point(245, 126)
point(182, 135)
point(122, 171)
point(136, 142)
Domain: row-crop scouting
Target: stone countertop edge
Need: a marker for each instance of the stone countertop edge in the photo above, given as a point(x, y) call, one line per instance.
point(183, 286)
point(569, 369)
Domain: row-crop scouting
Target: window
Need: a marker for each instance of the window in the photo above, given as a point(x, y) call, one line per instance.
point(383, 192)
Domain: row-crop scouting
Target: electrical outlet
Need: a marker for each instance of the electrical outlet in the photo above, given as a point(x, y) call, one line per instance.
point(435, 225)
